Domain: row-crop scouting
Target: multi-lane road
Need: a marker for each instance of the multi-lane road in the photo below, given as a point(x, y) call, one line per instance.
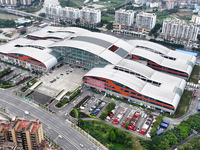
point(54, 125)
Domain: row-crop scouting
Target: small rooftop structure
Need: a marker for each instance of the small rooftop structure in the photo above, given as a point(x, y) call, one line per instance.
point(187, 52)
point(22, 20)
point(159, 132)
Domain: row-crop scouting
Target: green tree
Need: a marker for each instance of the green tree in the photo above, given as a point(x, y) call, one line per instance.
point(150, 34)
point(28, 17)
point(181, 148)
point(42, 15)
point(104, 115)
point(23, 32)
point(156, 35)
point(80, 122)
point(111, 11)
point(171, 138)
point(110, 107)
point(126, 124)
point(108, 135)
point(153, 132)
point(112, 136)
point(109, 26)
point(39, 19)
point(198, 37)
point(163, 145)
point(129, 144)
point(121, 137)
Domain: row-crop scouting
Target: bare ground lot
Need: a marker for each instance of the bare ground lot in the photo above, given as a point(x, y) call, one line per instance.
point(39, 97)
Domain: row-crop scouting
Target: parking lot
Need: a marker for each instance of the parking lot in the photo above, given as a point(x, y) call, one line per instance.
point(65, 78)
point(140, 120)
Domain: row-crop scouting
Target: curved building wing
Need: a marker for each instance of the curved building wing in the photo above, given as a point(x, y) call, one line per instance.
point(56, 33)
point(158, 90)
point(47, 59)
point(29, 53)
point(161, 58)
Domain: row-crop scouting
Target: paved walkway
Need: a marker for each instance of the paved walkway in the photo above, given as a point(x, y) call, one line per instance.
point(35, 85)
point(92, 139)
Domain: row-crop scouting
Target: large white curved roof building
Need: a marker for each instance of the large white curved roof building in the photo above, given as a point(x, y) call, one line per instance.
point(110, 61)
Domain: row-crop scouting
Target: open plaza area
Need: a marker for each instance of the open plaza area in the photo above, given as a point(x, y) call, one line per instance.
point(66, 78)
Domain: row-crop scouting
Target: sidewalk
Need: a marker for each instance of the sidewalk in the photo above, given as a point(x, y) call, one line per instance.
point(35, 85)
point(93, 140)
point(61, 95)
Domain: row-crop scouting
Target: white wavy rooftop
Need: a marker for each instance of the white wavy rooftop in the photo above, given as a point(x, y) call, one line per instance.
point(152, 51)
point(166, 92)
point(30, 49)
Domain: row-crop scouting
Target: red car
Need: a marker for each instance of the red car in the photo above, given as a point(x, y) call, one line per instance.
point(123, 125)
point(115, 121)
point(130, 127)
point(110, 115)
point(143, 131)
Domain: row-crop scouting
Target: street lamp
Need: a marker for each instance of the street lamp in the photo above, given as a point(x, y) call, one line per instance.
point(88, 133)
point(74, 102)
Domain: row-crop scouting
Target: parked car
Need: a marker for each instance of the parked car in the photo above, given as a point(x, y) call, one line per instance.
point(93, 106)
point(138, 129)
point(26, 112)
point(134, 128)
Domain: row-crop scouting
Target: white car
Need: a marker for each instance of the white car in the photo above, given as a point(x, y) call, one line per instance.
point(90, 109)
point(138, 129)
point(82, 107)
point(60, 136)
point(26, 112)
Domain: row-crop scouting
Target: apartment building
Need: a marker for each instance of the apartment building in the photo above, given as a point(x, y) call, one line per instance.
point(10, 146)
point(3, 132)
point(90, 16)
point(14, 2)
point(70, 14)
point(170, 4)
point(195, 19)
point(26, 134)
point(124, 17)
point(52, 10)
point(8, 2)
point(26, 2)
point(86, 15)
point(145, 20)
point(179, 29)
